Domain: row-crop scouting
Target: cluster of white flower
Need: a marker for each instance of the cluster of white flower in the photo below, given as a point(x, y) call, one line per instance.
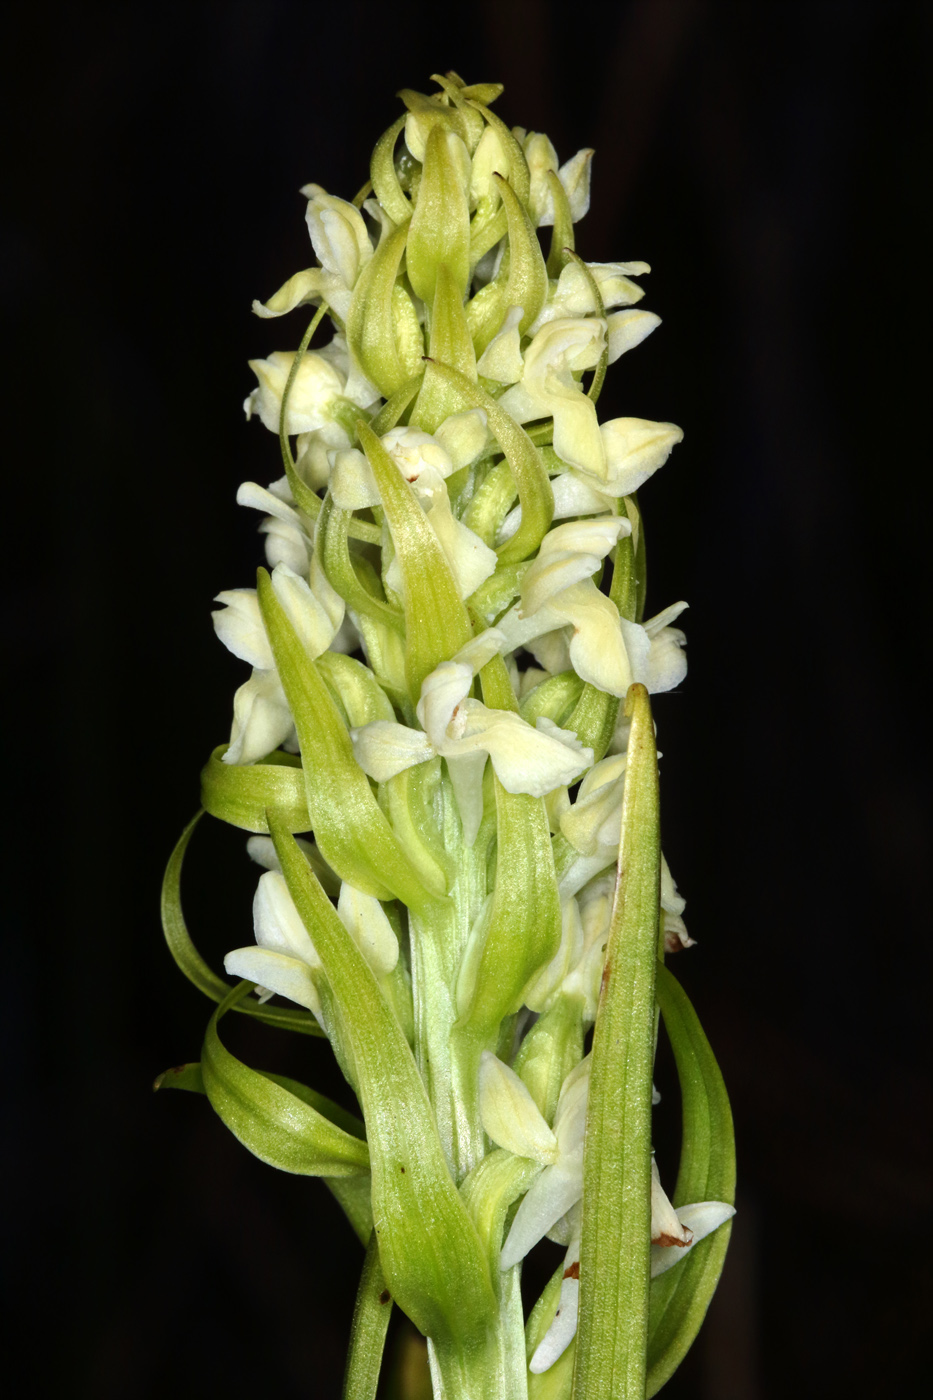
point(456, 340)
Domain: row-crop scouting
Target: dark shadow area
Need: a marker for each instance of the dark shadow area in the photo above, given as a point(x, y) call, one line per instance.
point(771, 163)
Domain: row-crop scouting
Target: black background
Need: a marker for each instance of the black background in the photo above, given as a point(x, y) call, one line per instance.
point(769, 160)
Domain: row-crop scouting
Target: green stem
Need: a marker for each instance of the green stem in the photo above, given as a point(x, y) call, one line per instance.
point(368, 1332)
point(611, 1355)
point(495, 1371)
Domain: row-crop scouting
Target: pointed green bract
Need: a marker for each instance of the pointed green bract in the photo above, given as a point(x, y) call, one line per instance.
point(372, 332)
point(436, 623)
point(391, 412)
point(440, 225)
point(351, 831)
point(527, 281)
point(430, 1252)
point(615, 1248)
point(451, 343)
point(275, 1125)
point(523, 925)
point(384, 178)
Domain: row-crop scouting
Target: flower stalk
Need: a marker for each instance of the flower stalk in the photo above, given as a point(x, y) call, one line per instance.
point(445, 760)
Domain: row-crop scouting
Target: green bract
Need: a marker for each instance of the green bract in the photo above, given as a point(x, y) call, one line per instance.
point(444, 753)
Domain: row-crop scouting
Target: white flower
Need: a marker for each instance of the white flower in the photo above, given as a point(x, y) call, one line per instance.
point(673, 1235)
point(547, 389)
point(261, 717)
point(626, 329)
point(607, 651)
point(458, 441)
point(574, 175)
point(343, 247)
point(262, 720)
point(284, 959)
point(570, 294)
point(322, 389)
point(635, 448)
point(560, 1185)
point(531, 760)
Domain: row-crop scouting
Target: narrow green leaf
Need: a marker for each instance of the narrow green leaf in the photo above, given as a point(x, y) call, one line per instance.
point(489, 507)
point(497, 593)
point(431, 1255)
point(641, 558)
point(241, 794)
point(436, 622)
point(489, 1190)
point(525, 464)
point(554, 698)
point(615, 1248)
point(275, 1125)
point(681, 1296)
point(371, 1315)
point(193, 965)
point(410, 798)
point(360, 695)
point(351, 1192)
point(623, 589)
point(594, 719)
point(353, 835)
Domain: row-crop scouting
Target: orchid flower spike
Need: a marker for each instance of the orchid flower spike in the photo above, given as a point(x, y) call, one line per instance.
point(443, 752)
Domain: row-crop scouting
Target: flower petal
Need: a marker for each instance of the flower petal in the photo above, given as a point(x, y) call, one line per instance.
point(626, 329)
point(551, 1196)
point(385, 748)
point(635, 449)
point(701, 1219)
point(262, 720)
point(239, 627)
point(276, 972)
point(510, 1115)
point(365, 920)
point(526, 760)
point(277, 923)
